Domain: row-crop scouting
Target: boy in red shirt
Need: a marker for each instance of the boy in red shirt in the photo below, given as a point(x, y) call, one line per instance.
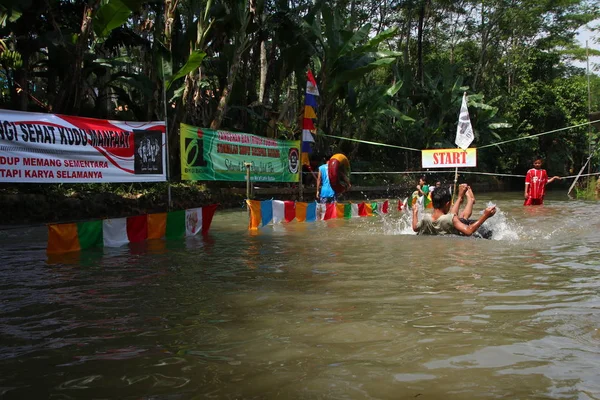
point(535, 184)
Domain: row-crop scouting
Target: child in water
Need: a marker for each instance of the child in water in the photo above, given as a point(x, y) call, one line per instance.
point(445, 218)
point(535, 184)
point(421, 195)
point(422, 187)
point(438, 184)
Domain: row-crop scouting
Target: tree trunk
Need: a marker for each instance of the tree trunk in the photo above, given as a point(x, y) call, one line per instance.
point(484, 43)
point(264, 65)
point(420, 41)
point(151, 60)
point(69, 95)
point(21, 79)
point(224, 100)
point(242, 40)
point(406, 50)
point(267, 99)
point(263, 71)
point(170, 8)
point(171, 129)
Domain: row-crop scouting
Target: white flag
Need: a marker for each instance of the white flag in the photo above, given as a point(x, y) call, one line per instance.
point(307, 136)
point(464, 130)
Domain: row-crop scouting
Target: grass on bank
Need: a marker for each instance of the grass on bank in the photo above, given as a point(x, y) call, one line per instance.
point(590, 190)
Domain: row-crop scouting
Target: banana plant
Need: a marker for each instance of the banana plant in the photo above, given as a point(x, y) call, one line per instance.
point(343, 56)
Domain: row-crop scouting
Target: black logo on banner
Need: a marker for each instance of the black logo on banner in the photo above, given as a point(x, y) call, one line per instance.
point(148, 152)
point(293, 160)
point(194, 152)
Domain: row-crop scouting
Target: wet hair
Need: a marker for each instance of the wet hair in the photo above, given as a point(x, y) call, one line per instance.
point(441, 196)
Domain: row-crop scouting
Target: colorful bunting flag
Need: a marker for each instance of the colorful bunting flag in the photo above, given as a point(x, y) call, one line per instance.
point(283, 211)
point(255, 214)
point(330, 211)
point(115, 232)
point(301, 211)
point(266, 210)
point(339, 209)
point(275, 211)
point(278, 211)
point(310, 115)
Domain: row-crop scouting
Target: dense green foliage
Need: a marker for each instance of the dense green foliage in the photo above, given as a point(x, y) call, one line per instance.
point(388, 71)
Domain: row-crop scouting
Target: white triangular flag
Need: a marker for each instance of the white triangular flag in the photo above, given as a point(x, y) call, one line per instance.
point(464, 130)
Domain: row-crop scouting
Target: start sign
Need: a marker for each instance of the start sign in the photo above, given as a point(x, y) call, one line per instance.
point(445, 158)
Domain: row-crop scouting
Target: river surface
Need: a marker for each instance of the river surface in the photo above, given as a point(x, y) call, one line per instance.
point(341, 309)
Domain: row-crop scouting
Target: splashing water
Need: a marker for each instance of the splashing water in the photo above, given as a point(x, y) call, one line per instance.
point(399, 223)
point(502, 227)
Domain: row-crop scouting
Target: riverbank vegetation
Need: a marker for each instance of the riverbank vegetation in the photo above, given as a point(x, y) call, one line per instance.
point(387, 72)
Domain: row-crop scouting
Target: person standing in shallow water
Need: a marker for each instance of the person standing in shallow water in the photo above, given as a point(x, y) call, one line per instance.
point(438, 184)
point(535, 184)
point(325, 193)
point(422, 187)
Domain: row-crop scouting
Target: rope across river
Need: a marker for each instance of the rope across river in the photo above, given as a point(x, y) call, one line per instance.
point(478, 148)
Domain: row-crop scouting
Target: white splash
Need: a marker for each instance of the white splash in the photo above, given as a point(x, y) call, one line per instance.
point(502, 228)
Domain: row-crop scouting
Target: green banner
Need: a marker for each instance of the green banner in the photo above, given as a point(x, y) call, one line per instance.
point(214, 155)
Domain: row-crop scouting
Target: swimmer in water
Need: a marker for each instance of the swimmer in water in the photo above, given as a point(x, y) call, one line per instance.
point(446, 219)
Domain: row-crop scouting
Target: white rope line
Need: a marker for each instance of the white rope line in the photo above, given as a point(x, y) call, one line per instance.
point(460, 172)
point(538, 134)
point(391, 172)
point(368, 142)
point(430, 173)
point(575, 176)
point(480, 147)
point(490, 173)
point(465, 172)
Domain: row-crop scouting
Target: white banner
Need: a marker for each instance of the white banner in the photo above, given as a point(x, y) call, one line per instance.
point(445, 158)
point(464, 130)
point(51, 148)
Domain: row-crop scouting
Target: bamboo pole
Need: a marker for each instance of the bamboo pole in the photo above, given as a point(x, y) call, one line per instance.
point(300, 183)
point(167, 155)
point(455, 182)
point(587, 53)
point(248, 182)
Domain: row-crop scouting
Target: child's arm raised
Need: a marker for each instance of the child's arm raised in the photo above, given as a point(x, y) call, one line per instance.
point(462, 188)
point(468, 230)
point(414, 218)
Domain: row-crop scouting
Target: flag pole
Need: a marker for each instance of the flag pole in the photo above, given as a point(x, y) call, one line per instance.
point(464, 134)
point(300, 184)
point(308, 127)
point(587, 54)
point(455, 181)
point(168, 172)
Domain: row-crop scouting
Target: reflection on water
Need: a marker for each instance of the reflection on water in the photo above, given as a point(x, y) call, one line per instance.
point(359, 308)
